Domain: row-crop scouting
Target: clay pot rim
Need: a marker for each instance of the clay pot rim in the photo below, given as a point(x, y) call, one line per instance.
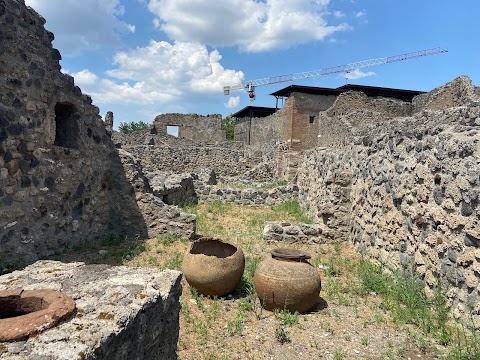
point(205, 239)
point(289, 254)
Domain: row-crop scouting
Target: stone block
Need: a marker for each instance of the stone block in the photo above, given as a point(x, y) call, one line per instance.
point(122, 313)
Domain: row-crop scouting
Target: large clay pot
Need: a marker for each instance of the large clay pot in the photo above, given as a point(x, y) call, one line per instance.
point(213, 267)
point(287, 281)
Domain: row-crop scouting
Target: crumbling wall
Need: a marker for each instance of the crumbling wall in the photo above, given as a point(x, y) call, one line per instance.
point(245, 196)
point(408, 198)
point(198, 128)
point(458, 92)
point(149, 137)
point(260, 131)
point(62, 182)
point(222, 160)
point(352, 112)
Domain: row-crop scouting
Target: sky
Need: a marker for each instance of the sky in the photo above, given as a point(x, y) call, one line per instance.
point(142, 58)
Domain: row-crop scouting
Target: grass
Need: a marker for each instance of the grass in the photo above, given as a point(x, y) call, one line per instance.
point(286, 317)
point(293, 209)
point(376, 298)
point(403, 295)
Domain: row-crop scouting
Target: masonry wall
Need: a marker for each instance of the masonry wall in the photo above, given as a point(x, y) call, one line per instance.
point(198, 128)
point(188, 159)
point(62, 181)
point(269, 129)
point(408, 198)
point(305, 119)
point(353, 112)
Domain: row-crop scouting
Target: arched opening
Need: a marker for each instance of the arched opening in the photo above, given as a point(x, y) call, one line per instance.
point(66, 124)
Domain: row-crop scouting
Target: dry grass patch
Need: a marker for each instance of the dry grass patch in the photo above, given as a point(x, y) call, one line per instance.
point(350, 321)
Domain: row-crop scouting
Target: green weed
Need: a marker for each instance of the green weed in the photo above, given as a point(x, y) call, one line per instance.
point(166, 239)
point(175, 262)
point(282, 335)
point(286, 317)
point(292, 207)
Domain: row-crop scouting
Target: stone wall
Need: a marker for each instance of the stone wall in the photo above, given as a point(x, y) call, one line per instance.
point(456, 93)
point(408, 197)
point(62, 181)
point(260, 131)
point(149, 137)
point(245, 196)
point(305, 120)
point(283, 231)
point(122, 313)
point(198, 128)
point(353, 111)
point(224, 161)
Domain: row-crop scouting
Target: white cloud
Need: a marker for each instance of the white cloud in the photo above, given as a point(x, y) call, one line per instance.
point(361, 13)
point(233, 102)
point(254, 26)
point(84, 77)
point(83, 25)
point(339, 14)
point(161, 73)
point(358, 74)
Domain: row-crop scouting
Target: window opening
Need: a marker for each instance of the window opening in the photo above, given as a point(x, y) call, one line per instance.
point(312, 119)
point(173, 130)
point(66, 126)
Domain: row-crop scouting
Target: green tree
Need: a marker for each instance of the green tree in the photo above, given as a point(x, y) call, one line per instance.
point(228, 124)
point(128, 128)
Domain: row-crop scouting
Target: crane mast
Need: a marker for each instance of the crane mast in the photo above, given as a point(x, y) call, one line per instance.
point(347, 68)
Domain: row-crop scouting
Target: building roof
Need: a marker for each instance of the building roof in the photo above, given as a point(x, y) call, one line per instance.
point(286, 92)
point(373, 91)
point(254, 112)
point(401, 94)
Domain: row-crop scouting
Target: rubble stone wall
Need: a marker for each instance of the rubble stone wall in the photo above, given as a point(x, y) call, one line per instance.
point(409, 197)
point(260, 131)
point(353, 111)
point(245, 196)
point(283, 231)
point(198, 128)
point(62, 182)
point(223, 161)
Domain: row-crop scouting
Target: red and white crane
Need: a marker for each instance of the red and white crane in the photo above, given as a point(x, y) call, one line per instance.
point(347, 68)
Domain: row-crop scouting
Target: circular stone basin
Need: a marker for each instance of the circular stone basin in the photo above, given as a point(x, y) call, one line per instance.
point(26, 312)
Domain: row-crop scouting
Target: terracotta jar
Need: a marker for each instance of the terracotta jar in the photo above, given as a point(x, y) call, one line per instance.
point(213, 267)
point(287, 281)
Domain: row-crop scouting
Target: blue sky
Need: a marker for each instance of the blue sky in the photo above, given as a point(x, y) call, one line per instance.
point(141, 58)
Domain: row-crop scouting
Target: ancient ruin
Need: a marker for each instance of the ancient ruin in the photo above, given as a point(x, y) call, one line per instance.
point(63, 182)
point(394, 173)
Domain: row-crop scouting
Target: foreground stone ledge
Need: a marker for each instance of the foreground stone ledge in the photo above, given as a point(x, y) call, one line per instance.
point(123, 313)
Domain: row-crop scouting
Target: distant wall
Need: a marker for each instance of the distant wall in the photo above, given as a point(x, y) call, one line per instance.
point(260, 131)
point(353, 111)
point(198, 128)
point(224, 161)
point(305, 119)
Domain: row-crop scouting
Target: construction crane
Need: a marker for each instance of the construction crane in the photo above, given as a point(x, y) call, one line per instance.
point(251, 84)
